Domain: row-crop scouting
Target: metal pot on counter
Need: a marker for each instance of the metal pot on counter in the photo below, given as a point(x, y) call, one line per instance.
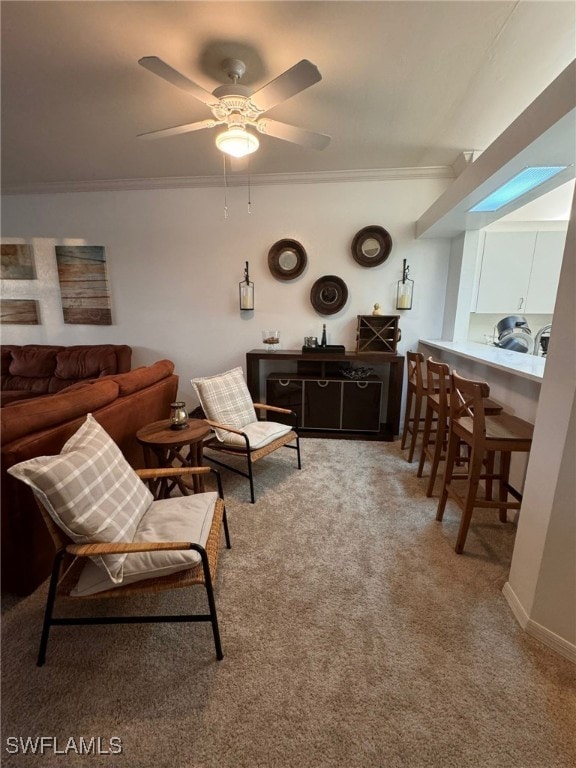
point(514, 334)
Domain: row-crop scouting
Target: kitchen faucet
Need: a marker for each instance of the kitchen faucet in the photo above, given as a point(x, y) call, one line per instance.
point(540, 333)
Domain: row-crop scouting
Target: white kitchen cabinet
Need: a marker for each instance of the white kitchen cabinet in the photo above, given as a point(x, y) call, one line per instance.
point(505, 271)
point(519, 272)
point(545, 273)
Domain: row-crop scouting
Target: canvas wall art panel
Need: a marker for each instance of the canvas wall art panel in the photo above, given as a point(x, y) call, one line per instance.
point(84, 284)
point(17, 262)
point(19, 312)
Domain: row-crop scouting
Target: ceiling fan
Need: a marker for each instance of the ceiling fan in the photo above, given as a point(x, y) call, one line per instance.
point(237, 107)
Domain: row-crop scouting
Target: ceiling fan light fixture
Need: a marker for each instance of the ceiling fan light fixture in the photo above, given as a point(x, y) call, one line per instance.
point(237, 142)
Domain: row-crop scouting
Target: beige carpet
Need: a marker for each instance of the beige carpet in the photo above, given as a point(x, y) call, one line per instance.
point(353, 636)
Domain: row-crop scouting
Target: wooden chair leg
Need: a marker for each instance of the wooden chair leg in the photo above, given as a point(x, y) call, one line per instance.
point(490, 469)
point(504, 474)
point(425, 440)
point(453, 445)
point(415, 427)
point(437, 455)
point(407, 417)
point(474, 472)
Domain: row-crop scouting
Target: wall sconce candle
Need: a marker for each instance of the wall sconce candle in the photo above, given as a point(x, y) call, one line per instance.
point(246, 291)
point(405, 289)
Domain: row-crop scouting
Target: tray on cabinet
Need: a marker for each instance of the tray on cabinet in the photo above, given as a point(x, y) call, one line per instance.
point(327, 348)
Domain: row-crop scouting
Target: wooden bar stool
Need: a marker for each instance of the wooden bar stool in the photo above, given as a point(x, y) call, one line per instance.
point(434, 441)
point(437, 407)
point(415, 394)
point(486, 436)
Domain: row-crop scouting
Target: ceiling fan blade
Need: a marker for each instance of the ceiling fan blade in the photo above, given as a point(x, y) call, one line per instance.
point(166, 72)
point(186, 128)
point(296, 79)
point(293, 134)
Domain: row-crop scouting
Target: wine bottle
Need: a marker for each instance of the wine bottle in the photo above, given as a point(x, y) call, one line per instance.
point(323, 342)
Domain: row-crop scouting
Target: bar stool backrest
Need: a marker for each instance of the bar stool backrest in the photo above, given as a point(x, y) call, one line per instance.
point(438, 381)
point(415, 366)
point(467, 404)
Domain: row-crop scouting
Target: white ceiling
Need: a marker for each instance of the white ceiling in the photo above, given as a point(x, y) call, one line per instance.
point(405, 84)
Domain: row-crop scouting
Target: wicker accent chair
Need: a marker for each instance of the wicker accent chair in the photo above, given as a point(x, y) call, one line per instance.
point(113, 537)
point(70, 560)
point(229, 410)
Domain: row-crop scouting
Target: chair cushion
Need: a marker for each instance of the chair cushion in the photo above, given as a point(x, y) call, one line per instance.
point(225, 398)
point(182, 518)
point(90, 491)
point(260, 433)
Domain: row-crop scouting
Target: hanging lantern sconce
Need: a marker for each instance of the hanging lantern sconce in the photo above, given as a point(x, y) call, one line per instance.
point(405, 289)
point(246, 291)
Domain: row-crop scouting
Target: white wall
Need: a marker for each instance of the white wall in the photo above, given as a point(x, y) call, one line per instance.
point(174, 265)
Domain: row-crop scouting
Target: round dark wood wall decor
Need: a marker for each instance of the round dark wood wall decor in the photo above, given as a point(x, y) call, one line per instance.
point(329, 295)
point(371, 246)
point(287, 259)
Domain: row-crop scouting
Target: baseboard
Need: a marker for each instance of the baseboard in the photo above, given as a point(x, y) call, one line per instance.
point(532, 628)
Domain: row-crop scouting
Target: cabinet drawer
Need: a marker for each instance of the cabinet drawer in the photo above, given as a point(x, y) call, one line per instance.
point(284, 393)
point(322, 404)
point(326, 404)
point(361, 405)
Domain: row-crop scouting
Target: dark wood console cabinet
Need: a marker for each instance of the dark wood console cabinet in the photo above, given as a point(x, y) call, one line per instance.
point(324, 399)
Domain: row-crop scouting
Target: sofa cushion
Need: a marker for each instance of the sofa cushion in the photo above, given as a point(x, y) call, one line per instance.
point(225, 398)
point(10, 396)
point(139, 378)
point(27, 417)
point(47, 369)
point(90, 491)
point(259, 433)
point(182, 518)
point(33, 361)
point(85, 362)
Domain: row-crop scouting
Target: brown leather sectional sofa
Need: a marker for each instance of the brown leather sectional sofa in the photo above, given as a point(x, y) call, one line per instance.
point(121, 403)
point(33, 370)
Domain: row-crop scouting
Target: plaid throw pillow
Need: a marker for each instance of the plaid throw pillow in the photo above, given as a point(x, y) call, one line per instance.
point(225, 398)
point(90, 491)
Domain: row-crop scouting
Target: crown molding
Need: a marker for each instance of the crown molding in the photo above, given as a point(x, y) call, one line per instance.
point(232, 180)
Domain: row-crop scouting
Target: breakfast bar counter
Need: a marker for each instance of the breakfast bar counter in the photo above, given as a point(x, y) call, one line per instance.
point(514, 378)
point(516, 363)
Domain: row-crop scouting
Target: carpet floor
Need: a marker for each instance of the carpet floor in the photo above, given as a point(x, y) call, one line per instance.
point(353, 636)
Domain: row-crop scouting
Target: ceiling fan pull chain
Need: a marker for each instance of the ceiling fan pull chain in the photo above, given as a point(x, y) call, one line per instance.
point(249, 187)
point(225, 189)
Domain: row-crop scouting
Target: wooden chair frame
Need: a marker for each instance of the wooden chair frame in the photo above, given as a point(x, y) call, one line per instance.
point(252, 455)
point(415, 394)
point(437, 409)
point(69, 560)
point(486, 436)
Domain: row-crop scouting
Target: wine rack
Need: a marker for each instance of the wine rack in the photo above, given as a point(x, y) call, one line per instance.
point(377, 333)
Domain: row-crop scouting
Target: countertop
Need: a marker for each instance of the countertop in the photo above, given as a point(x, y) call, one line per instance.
point(518, 363)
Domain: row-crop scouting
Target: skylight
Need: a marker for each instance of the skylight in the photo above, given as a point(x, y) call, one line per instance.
point(517, 186)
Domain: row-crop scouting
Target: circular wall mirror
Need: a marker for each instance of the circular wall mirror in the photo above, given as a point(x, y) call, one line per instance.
point(287, 259)
point(329, 294)
point(371, 246)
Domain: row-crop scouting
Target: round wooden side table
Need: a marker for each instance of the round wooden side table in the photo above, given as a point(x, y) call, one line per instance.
point(164, 446)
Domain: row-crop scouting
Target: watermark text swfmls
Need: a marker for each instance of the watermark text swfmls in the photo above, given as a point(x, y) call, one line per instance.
point(73, 745)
